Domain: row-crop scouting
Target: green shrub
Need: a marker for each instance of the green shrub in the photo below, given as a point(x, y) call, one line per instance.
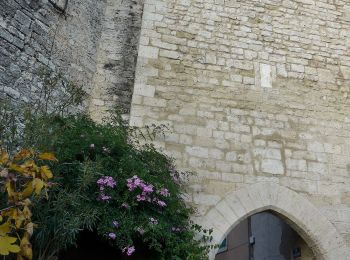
point(129, 195)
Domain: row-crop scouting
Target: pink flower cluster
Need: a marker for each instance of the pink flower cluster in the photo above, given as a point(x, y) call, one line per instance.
point(135, 182)
point(147, 189)
point(129, 250)
point(106, 181)
point(103, 182)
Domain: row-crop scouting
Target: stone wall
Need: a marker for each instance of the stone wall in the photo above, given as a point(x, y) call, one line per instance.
point(33, 34)
point(114, 78)
point(252, 91)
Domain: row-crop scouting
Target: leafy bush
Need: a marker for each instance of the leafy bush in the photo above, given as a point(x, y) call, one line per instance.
point(129, 194)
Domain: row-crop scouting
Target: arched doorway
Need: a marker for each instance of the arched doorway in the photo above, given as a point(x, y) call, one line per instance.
point(262, 236)
point(315, 229)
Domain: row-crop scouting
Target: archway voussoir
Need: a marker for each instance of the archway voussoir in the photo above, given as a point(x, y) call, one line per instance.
point(226, 211)
point(218, 221)
point(249, 204)
point(236, 206)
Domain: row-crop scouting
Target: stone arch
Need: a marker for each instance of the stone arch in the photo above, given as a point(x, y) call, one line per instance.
point(317, 231)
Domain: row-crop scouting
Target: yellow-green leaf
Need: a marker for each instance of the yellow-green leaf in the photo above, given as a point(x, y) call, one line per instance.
point(7, 245)
point(46, 172)
point(38, 185)
point(28, 190)
point(5, 229)
point(47, 157)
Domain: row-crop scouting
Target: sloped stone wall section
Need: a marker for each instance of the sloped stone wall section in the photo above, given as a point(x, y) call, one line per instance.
point(252, 91)
point(117, 53)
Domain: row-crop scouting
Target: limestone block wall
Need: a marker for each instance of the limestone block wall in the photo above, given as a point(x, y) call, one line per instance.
point(33, 34)
point(252, 91)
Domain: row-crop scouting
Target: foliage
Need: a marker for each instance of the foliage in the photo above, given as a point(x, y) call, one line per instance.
point(21, 177)
point(26, 122)
point(129, 195)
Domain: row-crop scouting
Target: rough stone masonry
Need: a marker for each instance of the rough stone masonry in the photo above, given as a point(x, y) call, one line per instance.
point(254, 91)
point(255, 94)
point(92, 43)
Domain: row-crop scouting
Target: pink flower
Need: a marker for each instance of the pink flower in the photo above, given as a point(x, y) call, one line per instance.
point(131, 250)
point(147, 188)
point(137, 181)
point(105, 197)
point(115, 224)
point(141, 197)
point(153, 221)
point(112, 235)
point(106, 181)
point(164, 192)
point(161, 203)
point(131, 183)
